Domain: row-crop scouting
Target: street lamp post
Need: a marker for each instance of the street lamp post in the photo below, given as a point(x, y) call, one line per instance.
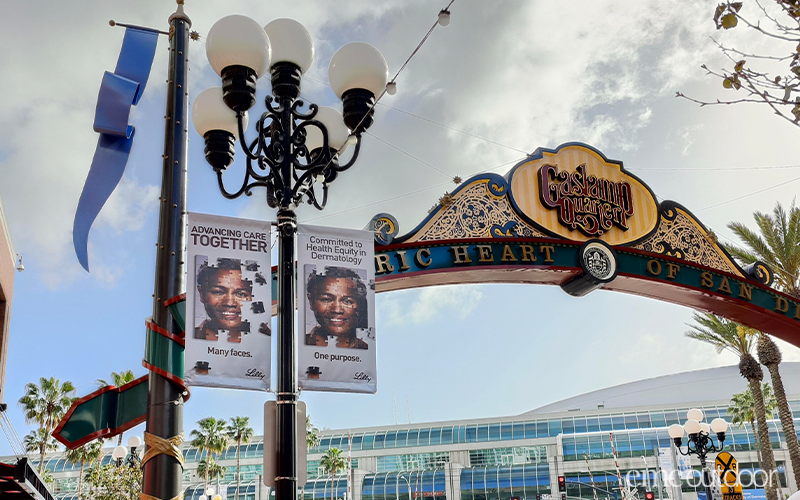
point(119, 454)
point(294, 156)
point(699, 442)
point(133, 459)
point(410, 495)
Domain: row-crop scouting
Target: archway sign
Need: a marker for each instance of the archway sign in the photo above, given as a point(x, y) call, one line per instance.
point(571, 217)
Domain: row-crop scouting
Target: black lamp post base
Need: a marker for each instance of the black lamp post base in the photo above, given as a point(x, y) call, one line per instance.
point(239, 87)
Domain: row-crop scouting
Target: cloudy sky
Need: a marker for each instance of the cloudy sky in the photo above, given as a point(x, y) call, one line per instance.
point(504, 78)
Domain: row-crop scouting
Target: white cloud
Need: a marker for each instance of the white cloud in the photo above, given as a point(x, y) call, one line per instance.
point(422, 306)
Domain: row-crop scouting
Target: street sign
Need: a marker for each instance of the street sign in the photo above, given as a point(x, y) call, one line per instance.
point(270, 455)
point(728, 469)
point(104, 413)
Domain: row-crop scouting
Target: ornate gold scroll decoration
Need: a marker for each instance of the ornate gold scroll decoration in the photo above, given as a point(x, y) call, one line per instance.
point(679, 235)
point(472, 213)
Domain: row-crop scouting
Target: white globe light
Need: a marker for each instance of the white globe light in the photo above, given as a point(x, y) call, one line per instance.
point(134, 441)
point(391, 88)
point(692, 426)
point(209, 112)
point(695, 414)
point(704, 427)
point(334, 123)
point(238, 41)
point(290, 42)
point(444, 17)
point(202, 497)
point(358, 65)
point(719, 425)
point(119, 452)
point(675, 431)
point(210, 491)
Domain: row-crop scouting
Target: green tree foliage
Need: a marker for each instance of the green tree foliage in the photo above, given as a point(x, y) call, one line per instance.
point(312, 434)
point(769, 76)
point(726, 335)
point(110, 482)
point(742, 411)
point(86, 454)
point(240, 432)
point(37, 440)
point(777, 244)
point(45, 404)
point(210, 437)
point(210, 469)
point(332, 461)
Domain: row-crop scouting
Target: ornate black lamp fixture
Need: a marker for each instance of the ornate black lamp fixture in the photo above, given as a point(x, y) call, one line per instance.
point(296, 152)
point(699, 442)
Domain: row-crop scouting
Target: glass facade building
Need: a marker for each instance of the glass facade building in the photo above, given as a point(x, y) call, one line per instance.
point(494, 459)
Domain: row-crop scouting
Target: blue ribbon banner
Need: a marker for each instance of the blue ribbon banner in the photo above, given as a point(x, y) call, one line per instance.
point(118, 92)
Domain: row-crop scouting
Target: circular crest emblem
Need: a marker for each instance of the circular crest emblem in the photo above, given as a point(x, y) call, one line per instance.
point(599, 260)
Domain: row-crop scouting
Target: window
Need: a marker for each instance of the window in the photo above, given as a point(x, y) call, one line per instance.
point(554, 427)
point(424, 437)
point(483, 432)
point(494, 432)
point(447, 435)
point(402, 437)
point(391, 439)
point(436, 436)
point(505, 431)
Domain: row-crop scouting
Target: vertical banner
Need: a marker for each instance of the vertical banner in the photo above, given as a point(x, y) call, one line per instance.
point(228, 303)
point(336, 309)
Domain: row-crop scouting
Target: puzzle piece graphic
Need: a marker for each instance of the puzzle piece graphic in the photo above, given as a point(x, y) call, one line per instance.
point(251, 265)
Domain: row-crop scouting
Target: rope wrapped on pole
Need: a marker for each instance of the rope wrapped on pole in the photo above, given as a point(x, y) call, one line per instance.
point(157, 445)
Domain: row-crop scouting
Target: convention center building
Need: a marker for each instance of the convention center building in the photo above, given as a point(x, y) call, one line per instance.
point(520, 456)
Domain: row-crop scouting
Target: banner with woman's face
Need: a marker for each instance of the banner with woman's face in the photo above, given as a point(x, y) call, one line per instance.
point(336, 309)
point(228, 303)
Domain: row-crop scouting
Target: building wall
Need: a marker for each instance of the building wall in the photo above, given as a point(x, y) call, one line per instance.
point(502, 466)
point(7, 266)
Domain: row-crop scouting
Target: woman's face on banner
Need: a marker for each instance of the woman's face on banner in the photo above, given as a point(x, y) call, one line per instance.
point(223, 296)
point(335, 306)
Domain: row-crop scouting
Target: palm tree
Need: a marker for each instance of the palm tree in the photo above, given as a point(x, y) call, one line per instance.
point(87, 453)
point(38, 440)
point(211, 470)
point(742, 411)
point(770, 356)
point(117, 380)
point(332, 462)
point(45, 404)
point(777, 245)
point(211, 438)
point(726, 335)
point(239, 430)
point(312, 434)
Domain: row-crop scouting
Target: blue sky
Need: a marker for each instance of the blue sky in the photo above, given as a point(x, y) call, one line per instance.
point(504, 78)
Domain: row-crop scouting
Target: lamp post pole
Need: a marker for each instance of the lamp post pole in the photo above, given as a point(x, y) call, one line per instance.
point(162, 474)
point(294, 156)
point(699, 442)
